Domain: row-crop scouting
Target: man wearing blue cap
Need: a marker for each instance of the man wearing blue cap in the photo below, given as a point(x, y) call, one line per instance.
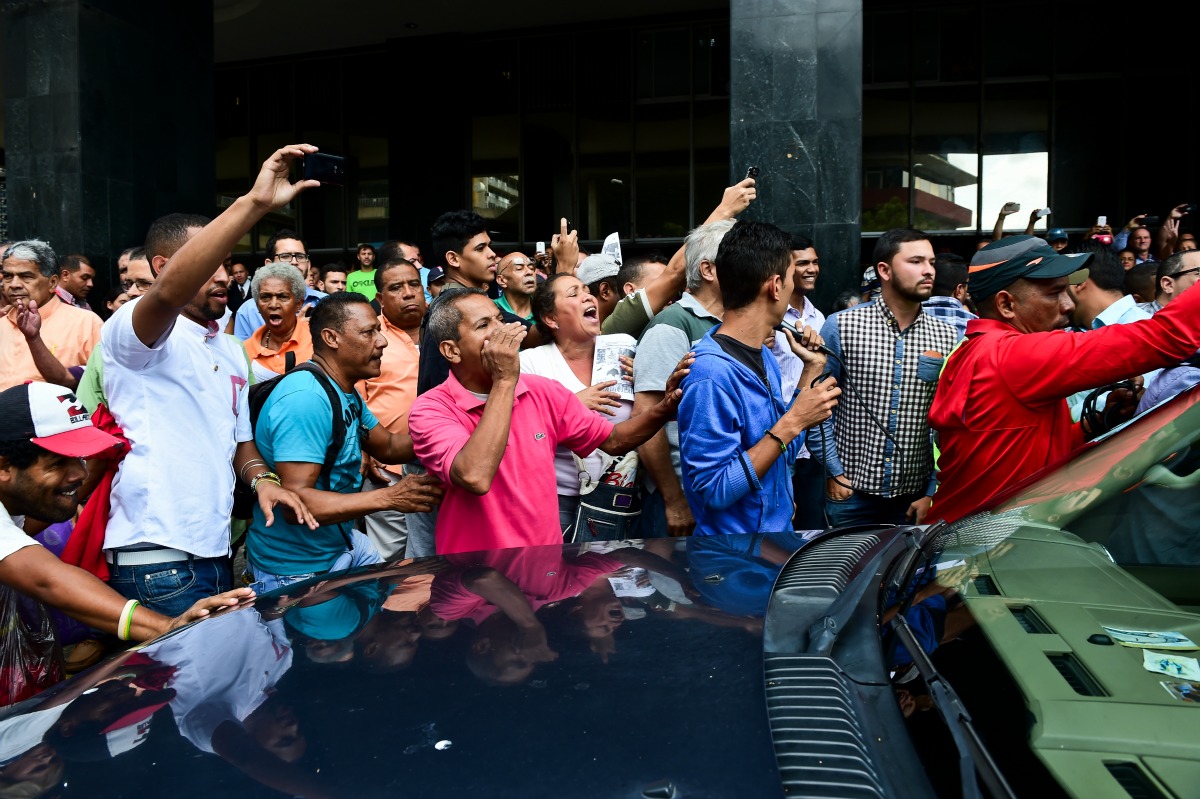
point(1057, 239)
point(1000, 410)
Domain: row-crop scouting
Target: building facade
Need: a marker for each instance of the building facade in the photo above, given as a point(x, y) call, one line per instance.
point(860, 114)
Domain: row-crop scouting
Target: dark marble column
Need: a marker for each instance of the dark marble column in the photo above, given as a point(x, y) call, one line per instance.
point(796, 114)
point(108, 119)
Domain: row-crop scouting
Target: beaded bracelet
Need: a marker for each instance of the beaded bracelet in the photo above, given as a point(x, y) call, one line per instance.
point(270, 477)
point(778, 440)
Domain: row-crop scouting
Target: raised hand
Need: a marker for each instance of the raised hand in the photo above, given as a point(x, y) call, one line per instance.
point(1135, 222)
point(565, 246)
point(501, 352)
point(737, 198)
point(273, 187)
point(29, 321)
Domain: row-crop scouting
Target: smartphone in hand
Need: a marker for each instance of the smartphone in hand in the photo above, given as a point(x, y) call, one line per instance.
point(329, 169)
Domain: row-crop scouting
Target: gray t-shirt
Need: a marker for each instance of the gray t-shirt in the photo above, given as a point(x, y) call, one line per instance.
point(659, 351)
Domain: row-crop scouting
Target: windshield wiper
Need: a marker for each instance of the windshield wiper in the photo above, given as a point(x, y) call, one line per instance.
point(974, 761)
point(921, 552)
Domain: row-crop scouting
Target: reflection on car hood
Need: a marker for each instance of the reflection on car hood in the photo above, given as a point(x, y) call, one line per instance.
point(591, 670)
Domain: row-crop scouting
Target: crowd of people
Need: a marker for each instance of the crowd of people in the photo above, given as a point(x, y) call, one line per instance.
point(387, 408)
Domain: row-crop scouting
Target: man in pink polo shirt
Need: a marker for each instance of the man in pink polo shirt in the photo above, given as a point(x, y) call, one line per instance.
point(489, 433)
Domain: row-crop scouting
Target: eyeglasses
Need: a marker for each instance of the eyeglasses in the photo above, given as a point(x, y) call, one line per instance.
point(298, 257)
point(142, 284)
point(1183, 272)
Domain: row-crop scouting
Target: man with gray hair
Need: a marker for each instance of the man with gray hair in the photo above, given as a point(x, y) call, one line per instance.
point(489, 432)
point(41, 337)
point(666, 340)
point(283, 340)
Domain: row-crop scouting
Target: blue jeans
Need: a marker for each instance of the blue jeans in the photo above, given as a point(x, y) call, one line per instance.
point(172, 588)
point(363, 554)
point(422, 540)
point(860, 508)
point(653, 521)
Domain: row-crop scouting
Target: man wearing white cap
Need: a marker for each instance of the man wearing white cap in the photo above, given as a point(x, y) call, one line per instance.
point(44, 436)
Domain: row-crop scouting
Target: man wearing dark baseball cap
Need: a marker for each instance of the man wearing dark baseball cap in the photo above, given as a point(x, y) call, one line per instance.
point(1057, 239)
point(437, 280)
point(44, 436)
point(1000, 410)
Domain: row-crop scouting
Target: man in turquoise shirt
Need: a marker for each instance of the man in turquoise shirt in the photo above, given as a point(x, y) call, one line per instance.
point(294, 432)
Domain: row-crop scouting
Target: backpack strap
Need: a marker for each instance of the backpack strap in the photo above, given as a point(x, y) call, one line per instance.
point(338, 438)
point(289, 361)
point(258, 398)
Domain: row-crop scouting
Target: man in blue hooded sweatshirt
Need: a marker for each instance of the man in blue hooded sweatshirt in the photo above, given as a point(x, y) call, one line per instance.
point(736, 420)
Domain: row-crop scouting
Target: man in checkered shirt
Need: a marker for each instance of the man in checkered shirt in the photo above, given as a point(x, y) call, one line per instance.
point(889, 354)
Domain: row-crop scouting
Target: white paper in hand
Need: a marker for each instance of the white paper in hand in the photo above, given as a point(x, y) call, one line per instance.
point(606, 364)
point(612, 247)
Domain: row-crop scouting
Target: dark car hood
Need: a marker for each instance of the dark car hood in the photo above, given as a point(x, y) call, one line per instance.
point(539, 672)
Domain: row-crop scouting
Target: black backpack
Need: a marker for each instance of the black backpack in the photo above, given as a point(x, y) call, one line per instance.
point(243, 498)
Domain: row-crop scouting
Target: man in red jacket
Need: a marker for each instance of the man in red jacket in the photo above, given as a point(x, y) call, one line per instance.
point(1000, 411)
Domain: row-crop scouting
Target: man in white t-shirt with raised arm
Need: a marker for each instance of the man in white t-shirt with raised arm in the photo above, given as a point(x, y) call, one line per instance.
point(178, 390)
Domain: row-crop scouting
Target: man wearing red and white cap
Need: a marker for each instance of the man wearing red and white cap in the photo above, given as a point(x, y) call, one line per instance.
point(44, 436)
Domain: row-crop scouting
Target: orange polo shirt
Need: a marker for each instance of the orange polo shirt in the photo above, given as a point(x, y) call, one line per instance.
point(69, 333)
point(390, 395)
point(276, 360)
